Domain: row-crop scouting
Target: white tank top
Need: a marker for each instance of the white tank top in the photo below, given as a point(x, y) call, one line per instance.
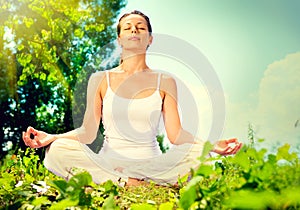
point(131, 125)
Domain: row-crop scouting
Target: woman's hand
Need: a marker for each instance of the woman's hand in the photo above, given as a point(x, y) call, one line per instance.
point(227, 147)
point(36, 139)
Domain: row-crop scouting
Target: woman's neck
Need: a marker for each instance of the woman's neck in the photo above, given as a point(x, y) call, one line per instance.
point(134, 63)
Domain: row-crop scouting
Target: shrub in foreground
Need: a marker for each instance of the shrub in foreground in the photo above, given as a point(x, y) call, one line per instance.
point(251, 179)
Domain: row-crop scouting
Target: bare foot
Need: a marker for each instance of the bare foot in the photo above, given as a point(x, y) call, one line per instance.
point(135, 182)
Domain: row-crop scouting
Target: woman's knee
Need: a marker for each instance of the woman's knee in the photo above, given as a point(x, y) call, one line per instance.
point(56, 150)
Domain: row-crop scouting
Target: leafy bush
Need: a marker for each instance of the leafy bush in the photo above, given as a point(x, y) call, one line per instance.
point(251, 179)
point(26, 184)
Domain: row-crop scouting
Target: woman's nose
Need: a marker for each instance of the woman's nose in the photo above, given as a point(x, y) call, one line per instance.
point(133, 29)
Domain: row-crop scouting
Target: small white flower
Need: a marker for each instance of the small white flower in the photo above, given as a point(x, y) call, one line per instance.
point(41, 187)
point(19, 184)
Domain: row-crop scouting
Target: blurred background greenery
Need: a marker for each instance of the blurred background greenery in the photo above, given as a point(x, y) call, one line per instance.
point(46, 50)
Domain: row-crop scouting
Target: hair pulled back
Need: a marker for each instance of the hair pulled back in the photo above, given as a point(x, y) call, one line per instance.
point(135, 12)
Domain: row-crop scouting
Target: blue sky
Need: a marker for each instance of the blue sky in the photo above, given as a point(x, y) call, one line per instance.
point(254, 47)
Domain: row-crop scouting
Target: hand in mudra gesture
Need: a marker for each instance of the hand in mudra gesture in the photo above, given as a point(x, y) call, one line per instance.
point(227, 147)
point(36, 139)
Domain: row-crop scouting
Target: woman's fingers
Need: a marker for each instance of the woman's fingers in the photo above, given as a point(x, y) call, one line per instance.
point(234, 145)
point(32, 131)
point(233, 140)
point(228, 146)
point(29, 129)
point(233, 149)
point(35, 138)
point(236, 148)
point(29, 140)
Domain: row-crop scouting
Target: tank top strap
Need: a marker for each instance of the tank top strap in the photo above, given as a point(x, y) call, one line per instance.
point(107, 78)
point(158, 81)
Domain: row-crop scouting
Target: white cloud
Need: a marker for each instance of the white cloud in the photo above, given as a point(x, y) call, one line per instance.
point(279, 100)
point(278, 105)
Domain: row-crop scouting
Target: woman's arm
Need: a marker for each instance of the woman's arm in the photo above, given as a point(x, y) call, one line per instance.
point(89, 128)
point(175, 133)
point(88, 131)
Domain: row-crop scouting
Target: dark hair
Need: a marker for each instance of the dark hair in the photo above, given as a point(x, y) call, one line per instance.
point(135, 12)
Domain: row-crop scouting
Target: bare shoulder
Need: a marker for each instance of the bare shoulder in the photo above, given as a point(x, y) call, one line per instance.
point(101, 75)
point(96, 80)
point(99, 78)
point(168, 82)
point(168, 85)
point(98, 75)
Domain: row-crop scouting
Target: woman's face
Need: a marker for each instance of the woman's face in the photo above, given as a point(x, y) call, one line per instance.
point(134, 33)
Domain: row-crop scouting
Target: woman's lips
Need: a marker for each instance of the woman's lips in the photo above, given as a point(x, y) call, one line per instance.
point(134, 38)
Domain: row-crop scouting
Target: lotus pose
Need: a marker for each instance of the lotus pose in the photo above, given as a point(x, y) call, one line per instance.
point(130, 100)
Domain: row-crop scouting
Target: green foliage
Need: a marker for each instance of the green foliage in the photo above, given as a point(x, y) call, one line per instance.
point(251, 179)
point(148, 196)
point(160, 139)
point(44, 46)
point(265, 181)
point(22, 179)
point(26, 184)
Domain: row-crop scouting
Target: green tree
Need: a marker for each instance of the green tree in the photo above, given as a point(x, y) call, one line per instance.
point(44, 46)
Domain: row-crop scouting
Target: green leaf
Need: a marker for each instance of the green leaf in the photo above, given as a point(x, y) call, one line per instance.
point(78, 33)
point(242, 159)
point(40, 200)
point(26, 161)
point(166, 206)
point(20, 47)
point(43, 76)
point(63, 204)
point(291, 195)
point(189, 193)
point(206, 150)
point(246, 199)
point(205, 170)
point(266, 171)
point(24, 59)
point(260, 140)
point(283, 153)
point(272, 158)
point(109, 186)
point(28, 22)
point(61, 185)
point(80, 180)
point(46, 35)
point(143, 206)
point(109, 203)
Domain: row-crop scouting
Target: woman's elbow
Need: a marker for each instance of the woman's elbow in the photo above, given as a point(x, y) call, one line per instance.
point(88, 139)
point(180, 137)
point(85, 136)
point(173, 137)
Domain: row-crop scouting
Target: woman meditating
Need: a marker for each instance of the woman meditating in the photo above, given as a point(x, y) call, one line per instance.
point(130, 100)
